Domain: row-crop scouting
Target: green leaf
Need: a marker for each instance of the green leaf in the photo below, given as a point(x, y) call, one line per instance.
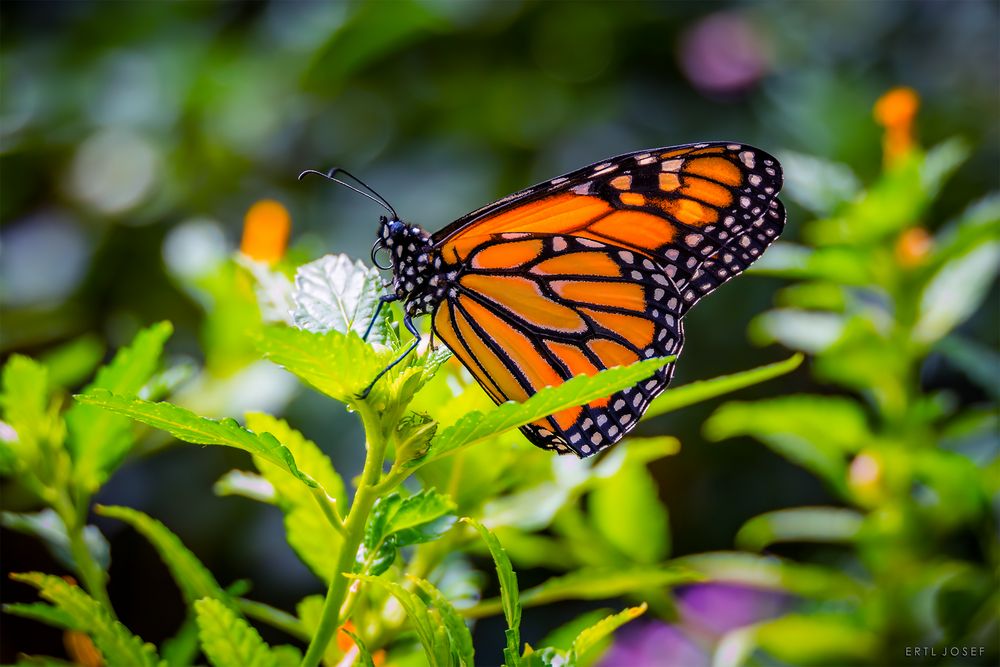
point(806, 330)
point(980, 363)
point(338, 365)
point(363, 652)
point(423, 623)
point(808, 581)
point(508, 590)
point(458, 633)
point(816, 184)
point(477, 426)
point(48, 526)
point(99, 439)
point(189, 427)
point(228, 640)
point(396, 522)
point(626, 509)
point(193, 578)
point(562, 638)
point(335, 294)
point(821, 639)
point(308, 529)
point(43, 613)
point(702, 390)
point(816, 432)
point(26, 409)
point(73, 362)
point(309, 458)
point(183, 648)
point(956, 291)
point(116, 643)
point(590, 637)
point(800, 524)
point(247, 484)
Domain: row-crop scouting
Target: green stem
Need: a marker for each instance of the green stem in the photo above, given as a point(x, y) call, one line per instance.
point(94, 578)
point(354, 529)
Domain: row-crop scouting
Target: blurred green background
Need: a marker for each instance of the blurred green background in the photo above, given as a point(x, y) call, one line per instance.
point(135, 136)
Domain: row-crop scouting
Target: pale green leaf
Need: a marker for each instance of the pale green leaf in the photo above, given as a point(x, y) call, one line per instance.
point(100, 439)
point(809, 581)
point(806, 330)
point(227, 640)
point(193, 578)
point(116, 643)
point(189, 427)
point(333, 293)
point(800, 524)
point(956, 291)
point(476, 427)
point(702, 390)
point(247, 484)
point(590, 637)
point(797, 639)
point(626, 509)
point(816, 184)
point(48, 526)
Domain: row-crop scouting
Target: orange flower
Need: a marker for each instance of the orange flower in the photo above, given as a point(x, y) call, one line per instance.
point(81, 649)
point(346, 644)
point(895, 111)
point(265, 231)
point(913, 246)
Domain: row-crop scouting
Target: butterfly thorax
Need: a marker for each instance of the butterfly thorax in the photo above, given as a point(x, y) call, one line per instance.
point(417, 279)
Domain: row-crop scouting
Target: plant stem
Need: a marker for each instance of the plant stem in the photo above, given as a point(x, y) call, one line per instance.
point(354, 528)
point(94, 578)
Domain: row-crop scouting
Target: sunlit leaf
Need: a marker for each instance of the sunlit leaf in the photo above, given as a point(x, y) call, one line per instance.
point(193, 578)
point(26, 410)
point(335, 294)
point(591, 636)
point(338, 365)
point(228, 640)
point(800, 524)
point(397, 522)
point(100, 439)
point(49, 527)
point(189, 427)
point(73, 362)
point(118, 646)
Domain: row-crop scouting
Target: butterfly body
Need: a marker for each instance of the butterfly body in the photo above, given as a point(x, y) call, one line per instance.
point(587, 271)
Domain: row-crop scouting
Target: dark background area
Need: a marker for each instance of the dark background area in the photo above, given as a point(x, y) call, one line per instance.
point(125, 126)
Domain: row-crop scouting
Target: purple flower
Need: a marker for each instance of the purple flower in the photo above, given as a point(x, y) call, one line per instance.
point(707, 612)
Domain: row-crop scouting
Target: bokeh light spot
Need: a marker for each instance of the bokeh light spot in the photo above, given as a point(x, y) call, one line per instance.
point(113, 171)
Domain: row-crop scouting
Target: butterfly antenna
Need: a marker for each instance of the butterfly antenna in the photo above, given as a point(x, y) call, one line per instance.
point(371, 193)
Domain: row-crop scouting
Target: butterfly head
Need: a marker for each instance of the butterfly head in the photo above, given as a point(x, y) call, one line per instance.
point(411, 260)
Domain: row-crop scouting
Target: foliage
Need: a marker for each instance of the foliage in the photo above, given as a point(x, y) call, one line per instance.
point(394, 543)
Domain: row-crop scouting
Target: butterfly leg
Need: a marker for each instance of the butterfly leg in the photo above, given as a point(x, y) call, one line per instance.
point(412, 328)
point(387, 298)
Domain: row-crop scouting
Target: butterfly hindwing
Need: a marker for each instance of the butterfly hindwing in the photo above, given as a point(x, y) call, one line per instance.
point(533, 311)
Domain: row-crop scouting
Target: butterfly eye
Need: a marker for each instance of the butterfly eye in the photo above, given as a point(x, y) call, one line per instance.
point(380, 245)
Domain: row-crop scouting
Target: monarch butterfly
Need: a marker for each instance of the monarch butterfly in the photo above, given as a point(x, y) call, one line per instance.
point(583, 272)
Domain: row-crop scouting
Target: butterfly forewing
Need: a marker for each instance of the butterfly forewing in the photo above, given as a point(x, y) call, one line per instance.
point(595, 269)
